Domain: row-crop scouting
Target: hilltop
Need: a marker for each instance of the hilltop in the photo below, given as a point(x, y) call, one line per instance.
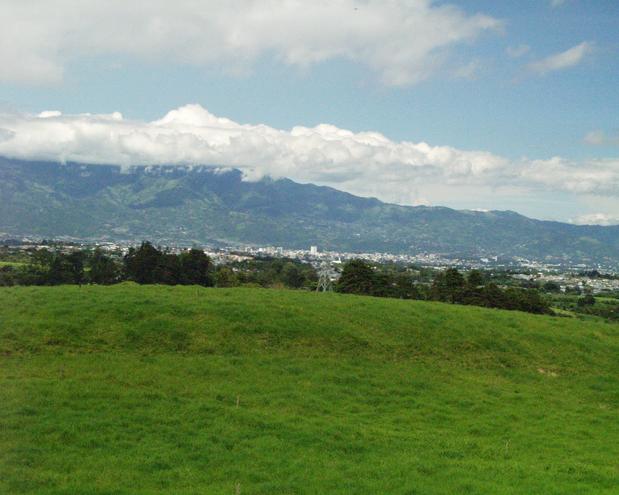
point(205, 205)
point(158, 389)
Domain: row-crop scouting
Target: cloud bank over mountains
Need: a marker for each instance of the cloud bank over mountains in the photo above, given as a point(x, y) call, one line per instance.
point(597, 219)
point(364, 163)
point(403, 41)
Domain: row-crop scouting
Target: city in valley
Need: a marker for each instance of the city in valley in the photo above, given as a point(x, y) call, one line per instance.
point(566, 276)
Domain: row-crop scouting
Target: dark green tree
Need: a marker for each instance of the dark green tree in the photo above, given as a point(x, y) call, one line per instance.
point(8, 276)
point(61, 270)
point(103, 269)
point(455, 284)
point(475, 279)
point(76, 261)
point(448, 286)
point(473, 289)
point(195, 268)
point(42, 257)
point(551, 286)
point(493, 296)
point(586, 300)
point(141, 264)
point(168, 270)
point(383, 285)
point(225, 277)
point(292, 276)
point(528, 300)
point(357, 278)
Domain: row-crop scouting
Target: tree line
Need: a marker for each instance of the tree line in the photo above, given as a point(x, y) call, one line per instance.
point(148, 264)
point(359, 277)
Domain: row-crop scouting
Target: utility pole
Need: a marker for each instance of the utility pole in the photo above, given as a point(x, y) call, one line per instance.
point(324, 278)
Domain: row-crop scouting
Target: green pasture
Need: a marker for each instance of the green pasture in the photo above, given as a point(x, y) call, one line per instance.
point(134, 389)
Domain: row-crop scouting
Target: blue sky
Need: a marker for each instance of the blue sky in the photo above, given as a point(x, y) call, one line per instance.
point(496, 89)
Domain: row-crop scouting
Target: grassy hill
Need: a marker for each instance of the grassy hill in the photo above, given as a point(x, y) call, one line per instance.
point(185, 390)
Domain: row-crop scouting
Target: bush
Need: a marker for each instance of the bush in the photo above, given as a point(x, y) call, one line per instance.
point(586, 300)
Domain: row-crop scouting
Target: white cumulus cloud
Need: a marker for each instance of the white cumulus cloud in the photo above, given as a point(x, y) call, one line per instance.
point(364, 163)
point(598, 176)
point(403, 41)
point(191, 135)
point(597, 219)
point(563, 60)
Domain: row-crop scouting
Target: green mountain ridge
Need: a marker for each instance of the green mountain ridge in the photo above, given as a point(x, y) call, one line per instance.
point(206, 205)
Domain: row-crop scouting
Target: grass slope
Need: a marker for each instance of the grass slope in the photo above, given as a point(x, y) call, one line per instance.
point(185, 390)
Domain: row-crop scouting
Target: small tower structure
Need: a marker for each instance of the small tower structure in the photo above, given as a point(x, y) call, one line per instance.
point(324, 278)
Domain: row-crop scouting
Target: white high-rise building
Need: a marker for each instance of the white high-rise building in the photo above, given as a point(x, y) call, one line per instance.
point(313, 250)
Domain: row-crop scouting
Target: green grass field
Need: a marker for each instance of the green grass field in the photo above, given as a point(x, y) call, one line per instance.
point(185, 390)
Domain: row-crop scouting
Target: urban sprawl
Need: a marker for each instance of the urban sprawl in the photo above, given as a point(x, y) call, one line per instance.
point(564, 274)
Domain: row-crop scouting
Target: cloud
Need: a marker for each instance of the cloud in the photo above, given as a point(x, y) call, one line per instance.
point(403, 41)
point(596, 219)
point(598, 176)
point(191, 135)
point(563, 60)
point(469, 71)
point(600, 138)
point(364, 163)
point(6, 135)
point(517, 51)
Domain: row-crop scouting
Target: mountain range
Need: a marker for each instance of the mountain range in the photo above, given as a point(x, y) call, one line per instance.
point(205, 205)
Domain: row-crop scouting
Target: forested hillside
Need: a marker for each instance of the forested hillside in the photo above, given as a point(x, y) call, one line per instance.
point(204, 205)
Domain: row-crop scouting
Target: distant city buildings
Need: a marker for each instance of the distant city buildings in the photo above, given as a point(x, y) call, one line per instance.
point(569, 280)
point(566, 273)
